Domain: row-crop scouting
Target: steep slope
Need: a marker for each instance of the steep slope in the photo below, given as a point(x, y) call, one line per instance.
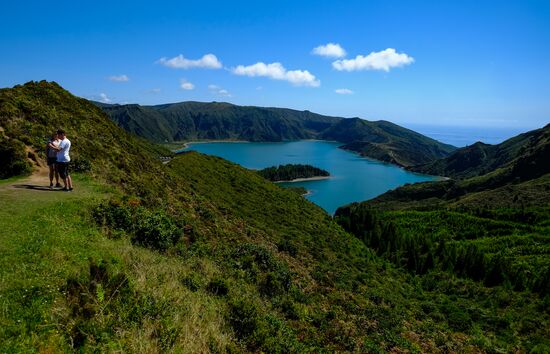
point(194, 120)
point(522, 181)
point(202, 255)
point(386, 142)
point(491, 229)
point(479, 158)
point(30, 113)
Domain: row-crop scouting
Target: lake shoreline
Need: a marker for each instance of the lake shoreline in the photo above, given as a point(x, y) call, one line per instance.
point(317, 178)
point(186, 145)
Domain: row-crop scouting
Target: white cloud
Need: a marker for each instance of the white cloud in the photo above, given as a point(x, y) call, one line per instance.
point(331, 50)
point(186, 85)
point(277, 71)
point(383, 60)
point(103, 98)
point(217, 90)
point(155, 90)
point(208, 61)
point(119, 78)
point(344, 91)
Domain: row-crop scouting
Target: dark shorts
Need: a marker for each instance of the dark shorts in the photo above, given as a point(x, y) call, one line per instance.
point(63, 169)
point(52, 161)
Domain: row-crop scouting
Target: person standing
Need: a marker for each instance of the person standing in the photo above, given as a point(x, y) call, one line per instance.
point(51, 155)
point(63, 160)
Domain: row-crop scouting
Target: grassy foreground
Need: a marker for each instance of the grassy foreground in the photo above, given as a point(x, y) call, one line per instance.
point(49, 239)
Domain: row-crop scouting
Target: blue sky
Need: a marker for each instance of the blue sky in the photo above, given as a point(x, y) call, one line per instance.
point(468, 63)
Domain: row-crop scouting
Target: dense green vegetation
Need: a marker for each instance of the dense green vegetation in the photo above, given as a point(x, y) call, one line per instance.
point(499, 246)
point(501, 255)
point(290, 172)
point(201, 255)
point(381, 140)
point(492, 229)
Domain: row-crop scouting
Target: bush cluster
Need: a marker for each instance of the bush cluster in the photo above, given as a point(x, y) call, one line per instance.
point(271, 275)
point(13, 158)
point(149, 228)
point(81, 164)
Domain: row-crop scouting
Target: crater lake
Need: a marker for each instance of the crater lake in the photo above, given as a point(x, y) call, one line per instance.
point(352, 178)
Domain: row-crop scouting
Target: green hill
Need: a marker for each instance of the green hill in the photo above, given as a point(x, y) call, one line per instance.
point(491, 229)
point(519, 178)
point(201, 255)
point(480, 158)
point(380, 140)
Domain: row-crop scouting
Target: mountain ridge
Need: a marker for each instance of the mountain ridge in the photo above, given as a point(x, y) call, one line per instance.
point(218, 121)
point(481, 158)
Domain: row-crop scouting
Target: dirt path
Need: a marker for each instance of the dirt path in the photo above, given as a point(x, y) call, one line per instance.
point(39, 180)
point(32, 185)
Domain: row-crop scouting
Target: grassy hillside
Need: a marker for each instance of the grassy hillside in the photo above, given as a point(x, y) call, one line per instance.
point(195, 120)
point(201, 255)
point(30, 113)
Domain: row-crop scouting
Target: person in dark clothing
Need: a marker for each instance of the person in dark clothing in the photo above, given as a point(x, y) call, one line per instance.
point(51, 155)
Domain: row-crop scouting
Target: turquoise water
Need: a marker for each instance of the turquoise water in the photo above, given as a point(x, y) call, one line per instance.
point(353, 178)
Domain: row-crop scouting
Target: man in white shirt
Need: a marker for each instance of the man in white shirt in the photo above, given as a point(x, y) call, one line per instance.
point(63, 160)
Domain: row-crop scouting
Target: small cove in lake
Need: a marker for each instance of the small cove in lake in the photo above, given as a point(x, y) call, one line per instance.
point(353, 178)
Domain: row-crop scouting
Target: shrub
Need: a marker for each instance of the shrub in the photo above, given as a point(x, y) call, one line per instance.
point(288, 247)
point(218, 286)
point(192, 282)
point(156, 230)
point(114, 214)
point(243, 317)
point(457, 318)
point(149, 228)
point(81, 165)
point(274, 283)
point(13, 158)
point(272, 276)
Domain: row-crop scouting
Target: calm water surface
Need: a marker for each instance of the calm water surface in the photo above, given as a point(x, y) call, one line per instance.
point(353, 178)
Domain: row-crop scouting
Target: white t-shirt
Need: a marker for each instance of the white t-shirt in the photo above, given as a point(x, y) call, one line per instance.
point(63, 154)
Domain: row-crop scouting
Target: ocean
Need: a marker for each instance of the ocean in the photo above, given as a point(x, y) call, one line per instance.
point(461, 136)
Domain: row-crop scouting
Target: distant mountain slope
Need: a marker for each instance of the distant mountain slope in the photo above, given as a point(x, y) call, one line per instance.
point(386, 142)
point(217, 120)
point(380, 140)
point(479, 158)
point(518, 175)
